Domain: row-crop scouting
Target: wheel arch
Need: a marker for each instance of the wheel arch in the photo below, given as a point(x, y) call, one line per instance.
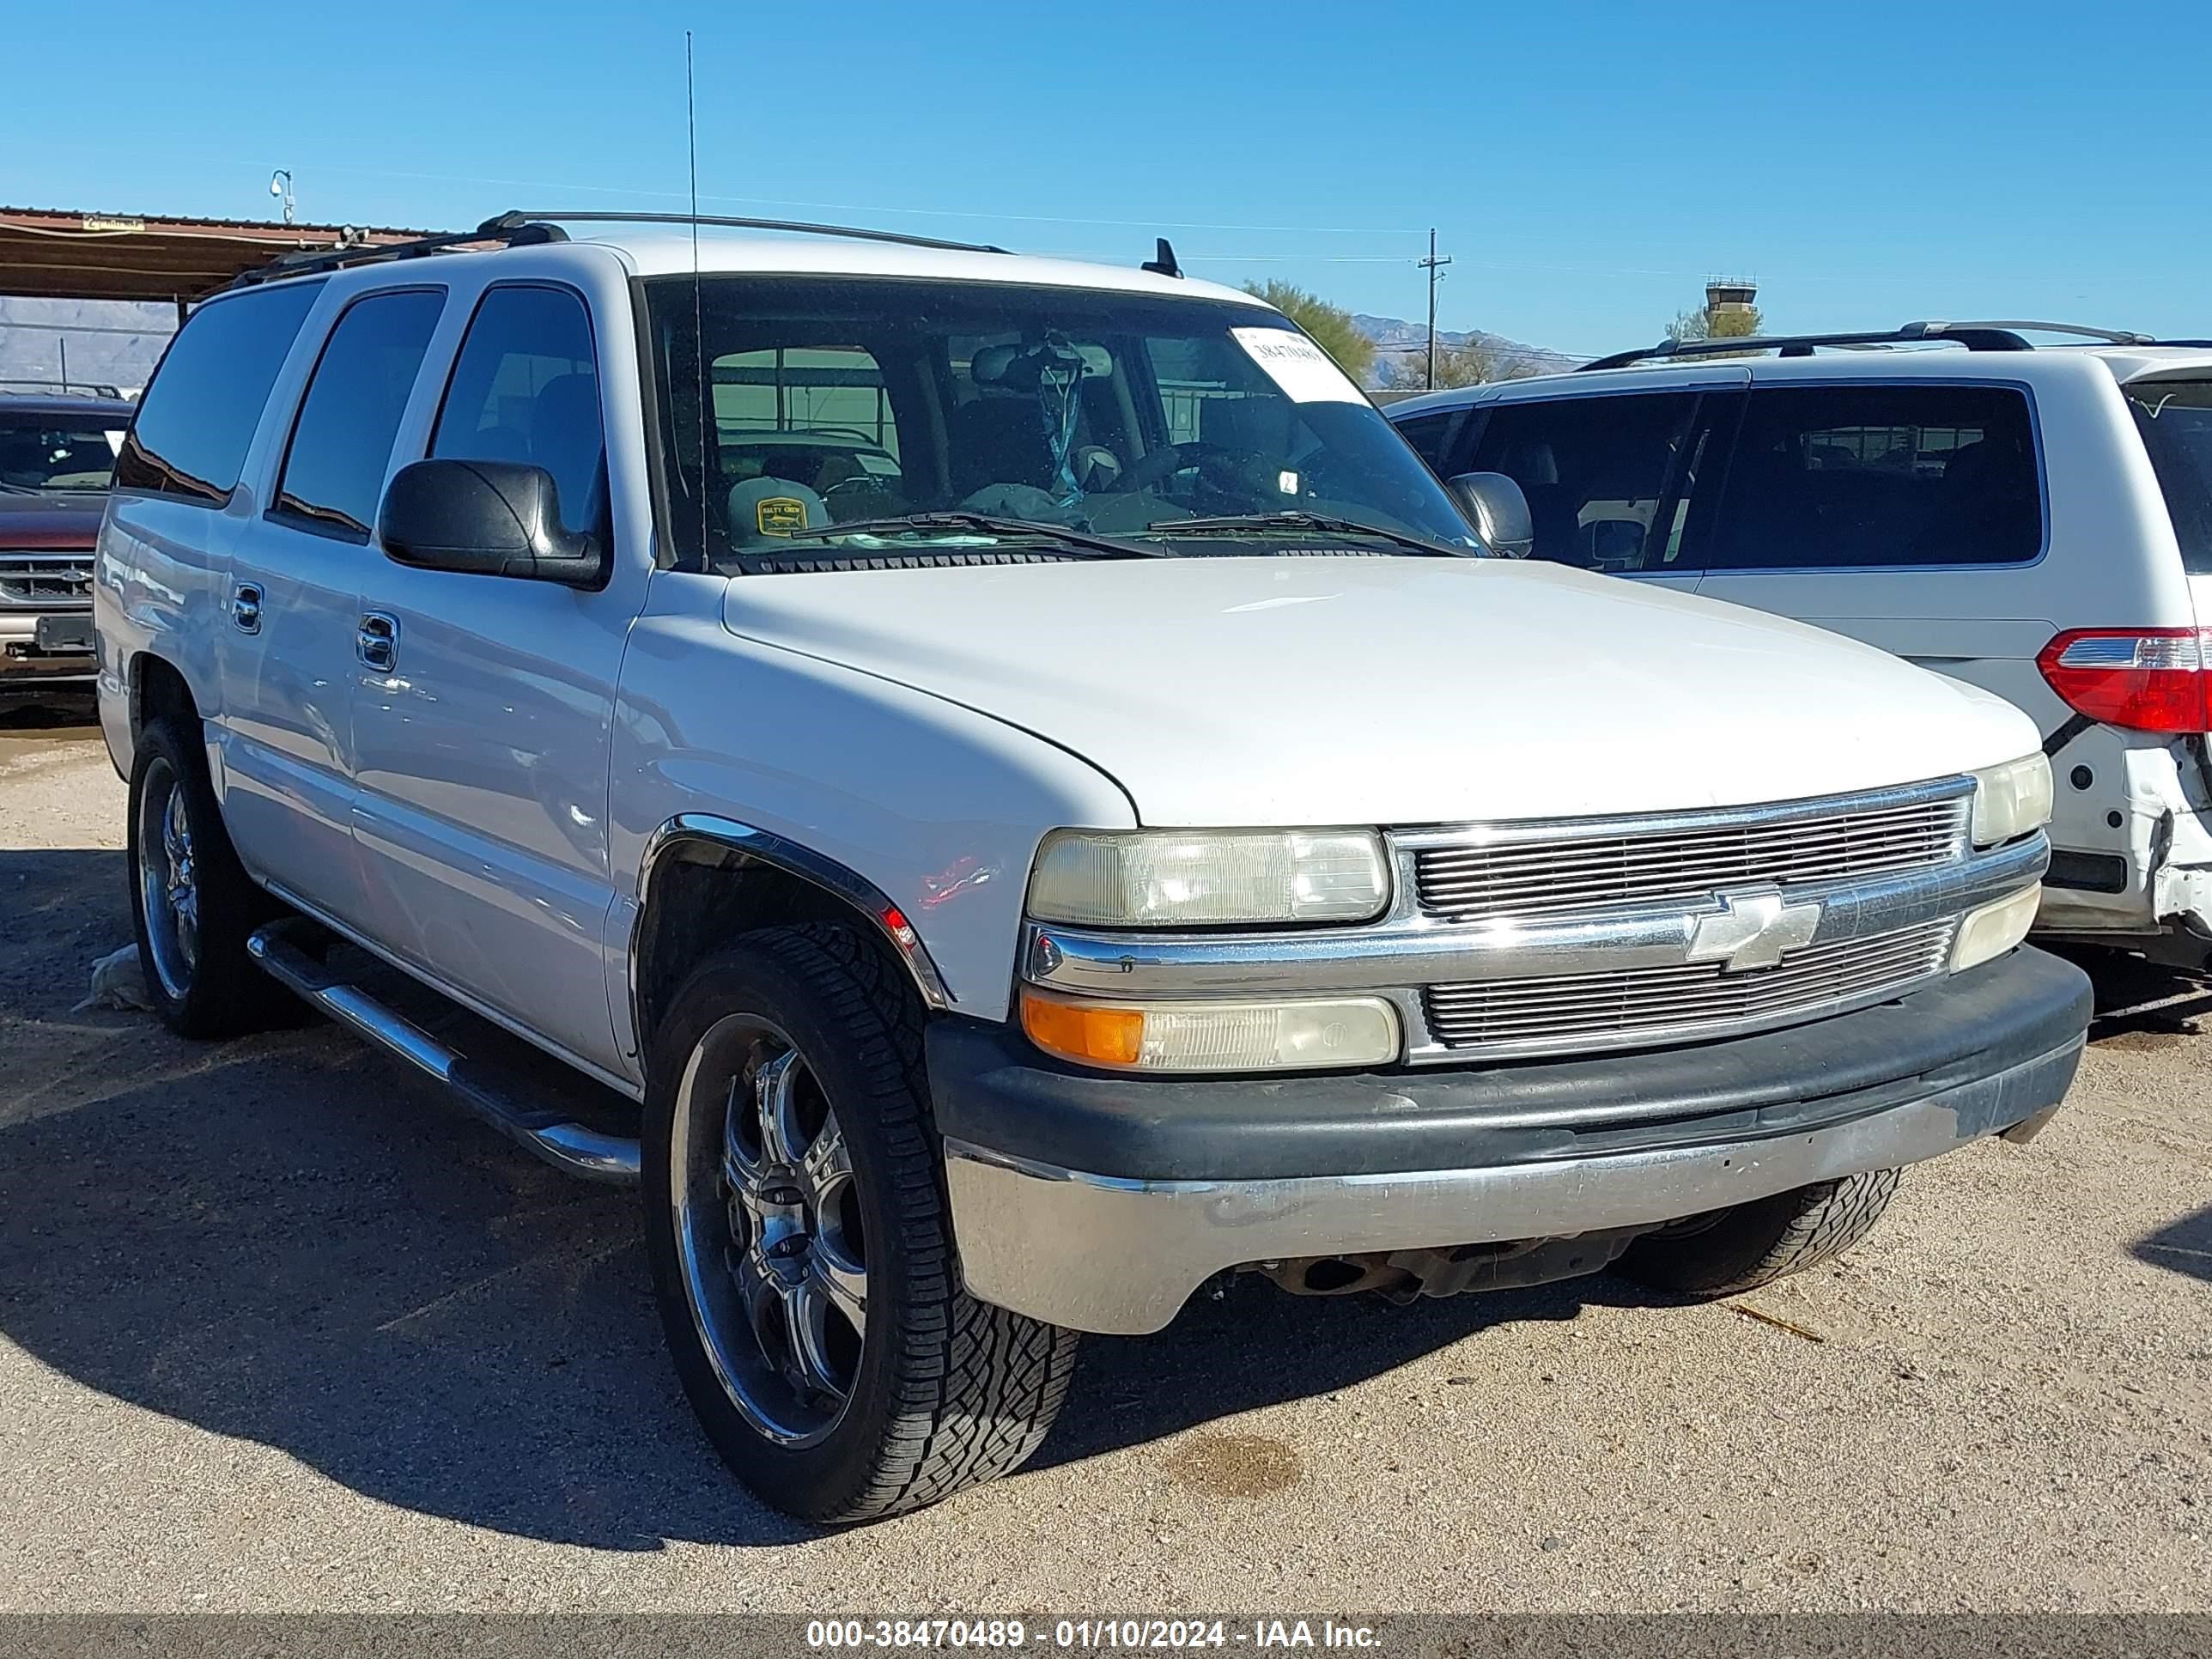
point(703, 879)
point(158, 688)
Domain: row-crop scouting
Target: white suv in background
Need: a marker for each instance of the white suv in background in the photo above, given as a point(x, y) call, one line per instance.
point(2035, 520)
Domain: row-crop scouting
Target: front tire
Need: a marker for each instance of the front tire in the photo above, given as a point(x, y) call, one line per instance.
point(1749, 1245)
point(801, 1253)
point(191, 902)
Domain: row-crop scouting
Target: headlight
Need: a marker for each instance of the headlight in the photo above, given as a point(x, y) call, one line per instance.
point(1214, 1037)
point(1995, 928)
point(1208, 877)
point(2011, 799)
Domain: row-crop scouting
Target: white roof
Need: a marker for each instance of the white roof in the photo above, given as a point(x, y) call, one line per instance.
point(662, 252)
point(1885, 363)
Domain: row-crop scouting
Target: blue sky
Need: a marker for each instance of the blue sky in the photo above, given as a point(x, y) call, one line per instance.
point(1586, 166)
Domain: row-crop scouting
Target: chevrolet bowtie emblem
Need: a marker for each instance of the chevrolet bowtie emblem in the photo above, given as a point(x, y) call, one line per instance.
point(1753, 930)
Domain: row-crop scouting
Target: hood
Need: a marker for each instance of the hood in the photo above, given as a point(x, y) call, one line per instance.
point(1322, 690)
point(41, 524)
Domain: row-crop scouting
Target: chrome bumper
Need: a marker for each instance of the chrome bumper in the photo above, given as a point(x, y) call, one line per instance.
point(1122, 1256)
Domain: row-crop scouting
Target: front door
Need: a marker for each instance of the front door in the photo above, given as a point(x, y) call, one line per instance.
point(483, 731)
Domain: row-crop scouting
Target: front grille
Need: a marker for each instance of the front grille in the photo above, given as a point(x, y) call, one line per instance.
point(1605, 870)
point(1565, 1010)
point(46, 581)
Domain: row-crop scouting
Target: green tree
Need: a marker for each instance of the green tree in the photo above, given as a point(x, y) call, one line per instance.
point(1331, 326)
point(1707, 324)
point(1473, 364)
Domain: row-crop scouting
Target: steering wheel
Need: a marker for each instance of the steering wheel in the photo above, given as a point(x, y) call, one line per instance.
point(1171, 459)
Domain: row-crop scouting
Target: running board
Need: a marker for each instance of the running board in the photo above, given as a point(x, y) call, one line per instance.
point(550, 1133)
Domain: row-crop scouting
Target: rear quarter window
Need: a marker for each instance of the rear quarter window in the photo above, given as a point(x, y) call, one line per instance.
point(198, 417)
point(2175, 419)
point(1837, 477)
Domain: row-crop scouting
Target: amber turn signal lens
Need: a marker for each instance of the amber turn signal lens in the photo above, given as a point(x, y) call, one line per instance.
point(1083, 1030)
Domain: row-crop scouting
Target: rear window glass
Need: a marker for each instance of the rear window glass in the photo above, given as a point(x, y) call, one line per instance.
point(196, 418)
point(342, 444)
point(1836, 477)
point(2175, 418)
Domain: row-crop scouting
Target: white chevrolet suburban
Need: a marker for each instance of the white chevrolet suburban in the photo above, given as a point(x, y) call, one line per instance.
point(2033, 518)
point(996, 790)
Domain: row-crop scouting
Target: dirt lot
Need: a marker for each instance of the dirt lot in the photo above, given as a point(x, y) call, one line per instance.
point(280, 1331)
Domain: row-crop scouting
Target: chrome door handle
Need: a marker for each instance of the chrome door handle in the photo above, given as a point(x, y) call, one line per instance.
point(246, 608)
point(378, 641)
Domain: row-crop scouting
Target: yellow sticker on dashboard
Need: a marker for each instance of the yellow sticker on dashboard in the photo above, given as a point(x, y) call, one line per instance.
point(779, 515)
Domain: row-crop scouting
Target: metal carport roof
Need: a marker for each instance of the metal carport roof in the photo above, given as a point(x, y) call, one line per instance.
point(47, 253)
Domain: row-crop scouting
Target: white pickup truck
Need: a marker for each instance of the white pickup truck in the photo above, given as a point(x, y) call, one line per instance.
point(995, 790)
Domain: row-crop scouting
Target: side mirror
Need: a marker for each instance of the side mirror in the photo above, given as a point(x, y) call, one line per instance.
point(1498, 511)
point(485, 519)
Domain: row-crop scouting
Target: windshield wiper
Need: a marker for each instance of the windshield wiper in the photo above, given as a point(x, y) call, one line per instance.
point(1294, 518)
point(985, 524)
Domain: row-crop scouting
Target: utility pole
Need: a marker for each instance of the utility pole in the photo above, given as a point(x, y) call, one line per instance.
point(279, 185)
point(1434, 265)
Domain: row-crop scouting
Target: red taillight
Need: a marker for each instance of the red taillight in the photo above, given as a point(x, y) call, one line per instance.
point(2151, 679)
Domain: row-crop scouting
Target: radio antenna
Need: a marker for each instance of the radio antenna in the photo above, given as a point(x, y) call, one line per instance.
point(698, 327)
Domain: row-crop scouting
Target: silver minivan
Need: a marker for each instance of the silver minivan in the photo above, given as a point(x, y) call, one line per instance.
point(2035, 520)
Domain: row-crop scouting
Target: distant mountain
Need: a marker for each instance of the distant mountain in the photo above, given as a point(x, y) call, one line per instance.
point(108, 342)
point(1395, 339)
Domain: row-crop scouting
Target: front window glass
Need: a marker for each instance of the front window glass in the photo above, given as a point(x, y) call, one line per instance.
point(525, 387)
point(2175, 419)
point(1611, 482)
point(51, 454)
point(1175, 427)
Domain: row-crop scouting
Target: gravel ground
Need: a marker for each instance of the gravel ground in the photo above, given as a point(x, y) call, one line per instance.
point(279, 1331)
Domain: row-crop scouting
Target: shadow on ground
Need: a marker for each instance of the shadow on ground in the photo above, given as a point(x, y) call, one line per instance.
point(2186, 1247)
point(285, 1240)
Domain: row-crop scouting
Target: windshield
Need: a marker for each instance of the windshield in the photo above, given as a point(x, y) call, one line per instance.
point(2175, 418)
point(47, 453)
point(834, 401)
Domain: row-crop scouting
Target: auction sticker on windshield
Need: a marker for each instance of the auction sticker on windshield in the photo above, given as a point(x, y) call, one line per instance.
point(1306, 374)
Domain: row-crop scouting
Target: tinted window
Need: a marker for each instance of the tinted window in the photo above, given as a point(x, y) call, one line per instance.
point(525, 388)
point(43, 453)
point(2175, 418)
point(1881, 474)
point(1427, 433)
point(1612, 482)
point(198, 417)
point(334, 472)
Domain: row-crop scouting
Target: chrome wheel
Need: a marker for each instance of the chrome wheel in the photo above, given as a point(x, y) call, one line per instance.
point(768, 1231)
point(168, 882)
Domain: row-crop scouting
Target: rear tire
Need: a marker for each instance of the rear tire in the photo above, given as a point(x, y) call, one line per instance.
point(802, 1255)
point(1753, 1244)
point(191, 902)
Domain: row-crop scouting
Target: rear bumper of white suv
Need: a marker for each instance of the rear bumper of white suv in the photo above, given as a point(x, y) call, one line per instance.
point(1102, 1202)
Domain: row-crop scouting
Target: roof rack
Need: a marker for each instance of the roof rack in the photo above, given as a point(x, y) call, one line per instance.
point(508, 230)
point(71, 389)
point(855, 232)
point(1975, 337)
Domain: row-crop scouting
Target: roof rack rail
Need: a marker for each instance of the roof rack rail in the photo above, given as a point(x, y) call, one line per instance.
point(71, 388)
point(601, 217)
point(508, 230)
point(1974, 336)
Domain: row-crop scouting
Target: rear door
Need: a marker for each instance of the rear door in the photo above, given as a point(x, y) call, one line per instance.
point(1622, 482)
point(295, 582)
point(1905, 513)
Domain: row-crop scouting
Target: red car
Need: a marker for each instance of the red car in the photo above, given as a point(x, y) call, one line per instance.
point(57, 461)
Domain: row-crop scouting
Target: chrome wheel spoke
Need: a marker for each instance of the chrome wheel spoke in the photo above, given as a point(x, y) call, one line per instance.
point(740, 1172)
point(841, 1285)
point(808, 1311)
point(826, 1165)
point(775, 1097)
